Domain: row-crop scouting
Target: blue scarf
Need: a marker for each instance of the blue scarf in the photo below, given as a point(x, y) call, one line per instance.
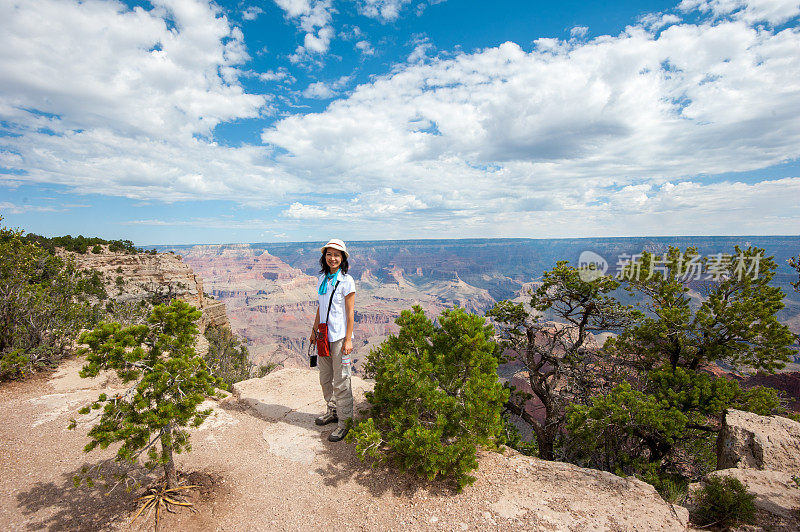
point(329, 277)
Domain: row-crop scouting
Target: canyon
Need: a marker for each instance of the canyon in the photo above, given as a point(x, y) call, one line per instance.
point(270, 289)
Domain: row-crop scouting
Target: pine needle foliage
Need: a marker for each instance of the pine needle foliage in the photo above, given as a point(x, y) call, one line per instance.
point(723, 502)
point(169, 382)
point(436, 396)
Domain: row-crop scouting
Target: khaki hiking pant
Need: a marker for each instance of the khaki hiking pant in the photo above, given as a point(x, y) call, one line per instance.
point(335, 380)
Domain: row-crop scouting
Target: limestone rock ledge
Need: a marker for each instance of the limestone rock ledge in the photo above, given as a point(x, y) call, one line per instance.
point(133, 277)
point(750, 441)
point(537, 494)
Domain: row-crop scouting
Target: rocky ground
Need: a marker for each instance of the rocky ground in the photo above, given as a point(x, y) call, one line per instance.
point(263, 465)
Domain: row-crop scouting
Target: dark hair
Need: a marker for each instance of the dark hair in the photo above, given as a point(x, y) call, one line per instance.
point(324, 268)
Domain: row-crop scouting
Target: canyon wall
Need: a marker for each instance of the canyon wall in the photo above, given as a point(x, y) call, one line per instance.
point(132, 277)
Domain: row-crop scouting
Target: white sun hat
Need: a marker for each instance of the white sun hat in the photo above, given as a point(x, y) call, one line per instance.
point(335, 243)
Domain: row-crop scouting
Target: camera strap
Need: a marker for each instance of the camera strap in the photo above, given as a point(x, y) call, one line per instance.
point(330, 301)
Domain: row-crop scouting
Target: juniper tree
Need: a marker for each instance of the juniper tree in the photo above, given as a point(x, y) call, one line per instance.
point(729, 314)
point(169, 381)
point(436, 395)
point(44, 303)
point(665, 418)
point(561, 365)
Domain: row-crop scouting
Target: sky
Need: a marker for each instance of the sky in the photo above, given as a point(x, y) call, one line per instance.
point(188, 121)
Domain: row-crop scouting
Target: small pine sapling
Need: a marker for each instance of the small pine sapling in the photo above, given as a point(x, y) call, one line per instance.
point(169, 382)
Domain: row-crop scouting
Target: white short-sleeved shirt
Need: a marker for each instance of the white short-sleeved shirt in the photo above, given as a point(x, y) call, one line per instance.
point(337, 321)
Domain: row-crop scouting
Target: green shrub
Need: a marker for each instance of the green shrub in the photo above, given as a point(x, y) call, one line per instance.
point(43, 304)
point(14, 364)
point(723, 502)
point(436, 396)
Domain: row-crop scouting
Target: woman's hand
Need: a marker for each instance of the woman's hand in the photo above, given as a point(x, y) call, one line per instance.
point(347, 348)
point(313, 337)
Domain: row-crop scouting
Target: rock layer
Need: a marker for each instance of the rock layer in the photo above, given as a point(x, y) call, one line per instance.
point(138, 276)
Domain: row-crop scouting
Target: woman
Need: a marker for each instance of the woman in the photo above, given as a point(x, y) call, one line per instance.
point(337, 295)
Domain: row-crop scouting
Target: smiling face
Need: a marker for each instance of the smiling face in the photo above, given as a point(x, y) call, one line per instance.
point(333, 257)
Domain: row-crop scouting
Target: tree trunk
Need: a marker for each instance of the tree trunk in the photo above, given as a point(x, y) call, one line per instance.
point(545, 444)
point(166, 454)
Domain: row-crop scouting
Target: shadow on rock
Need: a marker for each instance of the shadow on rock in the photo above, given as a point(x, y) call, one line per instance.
point(62, 506)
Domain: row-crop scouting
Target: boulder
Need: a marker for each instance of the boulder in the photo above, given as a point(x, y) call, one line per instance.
point(750, 441)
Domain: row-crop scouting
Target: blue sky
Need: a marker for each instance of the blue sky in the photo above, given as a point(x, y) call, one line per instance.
point(184, 121)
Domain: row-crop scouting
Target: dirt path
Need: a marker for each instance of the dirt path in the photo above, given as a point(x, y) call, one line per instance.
point(264, 465)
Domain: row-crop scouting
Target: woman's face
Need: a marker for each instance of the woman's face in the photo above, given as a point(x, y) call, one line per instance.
point(333, 257)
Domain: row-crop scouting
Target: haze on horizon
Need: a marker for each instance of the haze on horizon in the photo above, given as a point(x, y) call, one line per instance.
point(185, 121)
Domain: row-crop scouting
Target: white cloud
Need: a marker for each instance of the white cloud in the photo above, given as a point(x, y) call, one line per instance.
point(252, 13)
point(299, 210)
point(598, 137)
point(320, 42)
point(376, 205)
point(365, 48)
point(313, 17)
point(384, 10)
point(553, 128)
point(420, 52)
point(750, 11)
point(422, 6)
point(579, 32)
point(121, 67)
point(12, 208)
point(280, 74)
point(295, 8)
point(125, 105)
point(319, 90)
point(656, 21)
point(323, 91)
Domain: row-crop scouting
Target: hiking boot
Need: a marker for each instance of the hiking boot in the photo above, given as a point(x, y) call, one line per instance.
point(327, 417)
point(339, 434)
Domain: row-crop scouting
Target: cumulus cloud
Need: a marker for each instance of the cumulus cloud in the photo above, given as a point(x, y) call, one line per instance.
point(374, 205)
point(589, 137)
point(318, 90)
point(279, 74)
point(127, 104)
point(121, 67)
point(750, 11)
point(314, 18)
point(557, 125)
point(656, 21)
point(383, 10)
point(365, 48)
point(579, 31)
point(323, 91)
